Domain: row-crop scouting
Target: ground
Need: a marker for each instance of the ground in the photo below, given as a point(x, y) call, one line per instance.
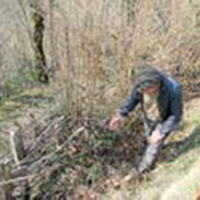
point(176, 176)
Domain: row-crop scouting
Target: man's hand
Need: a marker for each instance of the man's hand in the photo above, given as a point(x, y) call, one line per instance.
point(116, 122)
point(155, 137)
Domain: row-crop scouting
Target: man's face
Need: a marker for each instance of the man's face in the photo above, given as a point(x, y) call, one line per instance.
point(152, 91)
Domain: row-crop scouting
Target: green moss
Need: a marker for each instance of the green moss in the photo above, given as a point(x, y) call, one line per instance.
point(11, 105)
point(36, 92)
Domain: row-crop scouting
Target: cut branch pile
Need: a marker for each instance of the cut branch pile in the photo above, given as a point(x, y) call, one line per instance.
point(66, 157)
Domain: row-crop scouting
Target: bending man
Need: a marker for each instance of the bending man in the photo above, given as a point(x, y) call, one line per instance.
point(160, 97)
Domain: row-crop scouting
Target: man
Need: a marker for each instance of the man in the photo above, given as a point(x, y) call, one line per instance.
point(160, 97)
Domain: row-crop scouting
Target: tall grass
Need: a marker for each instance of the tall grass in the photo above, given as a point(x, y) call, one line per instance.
point(99, 49)
point(96, 46)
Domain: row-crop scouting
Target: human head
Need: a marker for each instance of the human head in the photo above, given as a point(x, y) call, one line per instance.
point(147, 81)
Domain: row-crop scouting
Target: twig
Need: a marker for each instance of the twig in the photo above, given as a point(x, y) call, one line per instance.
point(16, 180)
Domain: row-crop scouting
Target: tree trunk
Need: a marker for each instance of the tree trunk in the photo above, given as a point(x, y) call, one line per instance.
point(38, 35)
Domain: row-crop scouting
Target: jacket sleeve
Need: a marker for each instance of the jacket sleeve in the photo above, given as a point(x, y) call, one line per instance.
point(130, 103)
point(176, 110)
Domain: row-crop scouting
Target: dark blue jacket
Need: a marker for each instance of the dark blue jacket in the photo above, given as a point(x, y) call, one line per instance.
point(169, 103)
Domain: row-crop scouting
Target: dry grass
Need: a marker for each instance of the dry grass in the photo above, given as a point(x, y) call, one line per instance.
point(185, 187)
point(95, 49)
point(177, 175)
point(100, 50)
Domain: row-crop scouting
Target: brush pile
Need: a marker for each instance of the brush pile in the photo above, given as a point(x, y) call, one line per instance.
point(70, 157)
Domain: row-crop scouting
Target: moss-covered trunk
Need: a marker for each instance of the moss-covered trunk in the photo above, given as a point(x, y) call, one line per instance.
point(41, 72)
